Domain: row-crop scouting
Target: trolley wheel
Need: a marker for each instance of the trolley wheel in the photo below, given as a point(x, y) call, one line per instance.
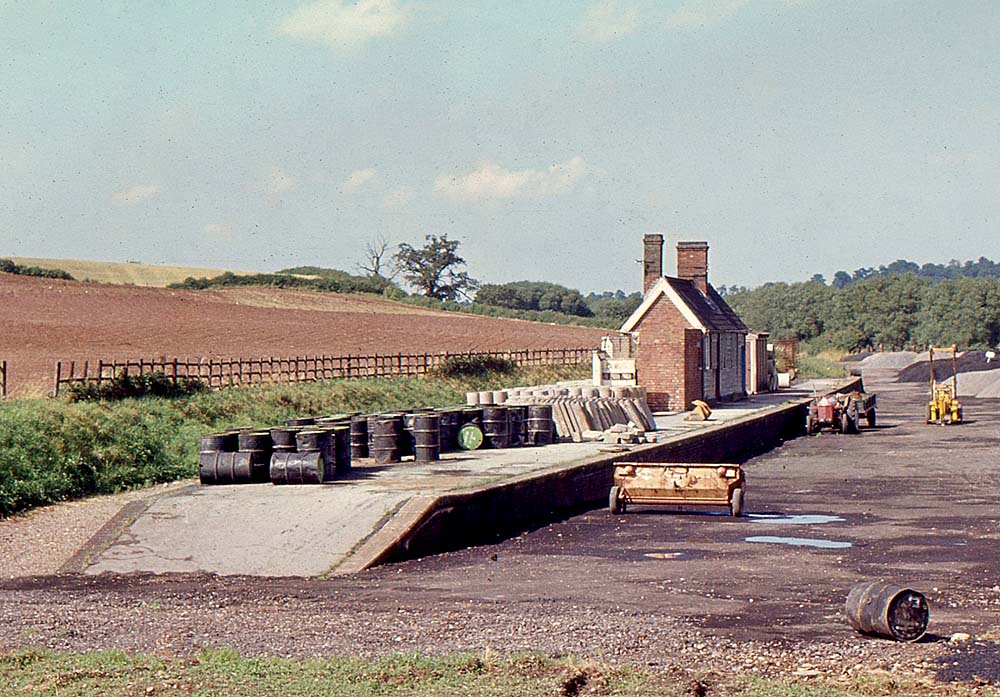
point(870, 417)
point(615, 502)
point(736, 502)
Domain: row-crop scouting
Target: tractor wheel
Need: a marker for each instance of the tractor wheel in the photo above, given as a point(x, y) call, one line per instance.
point(615, 503)
point(812, 424)
point(845, 422)
point(736, 503)
point(960, 417)
point(870, 417)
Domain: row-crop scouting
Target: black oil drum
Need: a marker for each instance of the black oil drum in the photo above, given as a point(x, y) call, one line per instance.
point(225, 468)
point(885, 609)
point(359, 437)
point(449, 422)
point(540, 424)
point(342, 447)
point(496, 427)
point(517, 417)
point(283, 439)
point(319, 440)
point(427, 437)
point(387, 433)
point(303, 421)
point(258, 445)
point(297, 468)
point(219, 442)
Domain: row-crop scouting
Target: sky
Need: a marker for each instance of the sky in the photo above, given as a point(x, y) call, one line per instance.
point(794, 136)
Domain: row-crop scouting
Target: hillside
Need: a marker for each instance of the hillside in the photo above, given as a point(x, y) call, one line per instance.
point(121, 273)
point(47, 320)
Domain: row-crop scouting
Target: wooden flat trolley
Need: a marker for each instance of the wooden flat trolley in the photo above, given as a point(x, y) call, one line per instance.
point(677, 484)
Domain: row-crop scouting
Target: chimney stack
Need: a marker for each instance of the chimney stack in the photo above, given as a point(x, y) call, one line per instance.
point(692, 263)
point(652, 260)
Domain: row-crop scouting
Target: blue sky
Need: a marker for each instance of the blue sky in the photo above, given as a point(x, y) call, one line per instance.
point(795, 136)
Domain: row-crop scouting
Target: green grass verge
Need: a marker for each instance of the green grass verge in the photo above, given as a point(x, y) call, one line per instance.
point(819, 367)
point(54, 450)
point(223, 672)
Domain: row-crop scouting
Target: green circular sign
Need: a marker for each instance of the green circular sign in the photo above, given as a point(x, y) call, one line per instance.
point(470, 437)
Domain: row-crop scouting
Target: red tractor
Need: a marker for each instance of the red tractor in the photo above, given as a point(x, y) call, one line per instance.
point(840, 412)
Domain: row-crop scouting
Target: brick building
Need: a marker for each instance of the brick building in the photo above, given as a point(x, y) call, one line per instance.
point(689, 342)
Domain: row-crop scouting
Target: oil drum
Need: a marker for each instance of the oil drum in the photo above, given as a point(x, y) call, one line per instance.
point(283, 439)
point(885, 609)
point(302, 421)
point(359, 437)
point(517, 417)
point(219, 442)
point(539, 424)
point(225, 468)
point(297, 468)
point(316, 440)
point(386, 436)
point(342, 447)
point(496, 427)
point(426, 437)
point(258, 445)
point(449, 423)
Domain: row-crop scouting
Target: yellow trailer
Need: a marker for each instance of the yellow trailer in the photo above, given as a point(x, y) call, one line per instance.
point(677, 484)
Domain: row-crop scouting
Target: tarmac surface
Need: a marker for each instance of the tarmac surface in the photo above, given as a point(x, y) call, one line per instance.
point(267, 530)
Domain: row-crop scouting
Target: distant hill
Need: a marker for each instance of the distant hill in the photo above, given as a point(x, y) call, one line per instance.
point(122, 273)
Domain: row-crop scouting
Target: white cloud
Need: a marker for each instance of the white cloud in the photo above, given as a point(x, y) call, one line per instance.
point(219, 231)
point(278, 181)
point(134, 195)
point(605, 21)
point(358, 179)
point(344, 25)
point(398, 198)
point(493, 182)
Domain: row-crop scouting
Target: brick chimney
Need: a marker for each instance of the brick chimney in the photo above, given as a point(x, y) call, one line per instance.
point(652, 260)
point(692, 263)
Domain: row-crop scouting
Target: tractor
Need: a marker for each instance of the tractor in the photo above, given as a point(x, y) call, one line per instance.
point(943, 406)
point(841, 412)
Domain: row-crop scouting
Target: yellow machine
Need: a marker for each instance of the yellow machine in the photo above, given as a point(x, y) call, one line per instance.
point(944, 407)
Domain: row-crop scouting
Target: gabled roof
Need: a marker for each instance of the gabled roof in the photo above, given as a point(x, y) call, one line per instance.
point(709, 313)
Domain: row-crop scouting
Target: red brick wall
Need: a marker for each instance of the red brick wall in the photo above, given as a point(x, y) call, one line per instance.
point(668, 360)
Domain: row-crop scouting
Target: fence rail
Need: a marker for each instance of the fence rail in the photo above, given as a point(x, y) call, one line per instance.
point(217, 373)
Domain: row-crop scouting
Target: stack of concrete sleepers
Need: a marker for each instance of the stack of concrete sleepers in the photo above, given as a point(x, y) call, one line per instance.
point(580, 410)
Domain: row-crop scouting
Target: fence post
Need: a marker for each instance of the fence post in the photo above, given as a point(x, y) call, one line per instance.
point(3, 379)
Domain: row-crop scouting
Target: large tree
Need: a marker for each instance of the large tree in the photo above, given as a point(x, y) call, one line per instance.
point(433, 269)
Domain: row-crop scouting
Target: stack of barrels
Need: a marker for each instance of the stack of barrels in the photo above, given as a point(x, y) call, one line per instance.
point(304, 451)
point(314, 450)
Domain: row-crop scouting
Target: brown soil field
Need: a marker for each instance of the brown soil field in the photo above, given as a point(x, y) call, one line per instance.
point(45, 320)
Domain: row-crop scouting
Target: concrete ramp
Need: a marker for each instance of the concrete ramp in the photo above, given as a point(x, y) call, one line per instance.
point(256, 529)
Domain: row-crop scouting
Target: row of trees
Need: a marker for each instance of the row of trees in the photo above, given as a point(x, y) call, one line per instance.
point(893, 311)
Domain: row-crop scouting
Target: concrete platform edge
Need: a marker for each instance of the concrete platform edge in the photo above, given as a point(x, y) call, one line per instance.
point(431, 525)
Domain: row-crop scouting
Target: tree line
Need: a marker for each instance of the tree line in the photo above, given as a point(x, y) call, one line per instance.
point(892, 311)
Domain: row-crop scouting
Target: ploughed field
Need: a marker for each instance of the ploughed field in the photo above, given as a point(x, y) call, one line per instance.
point(46, 320)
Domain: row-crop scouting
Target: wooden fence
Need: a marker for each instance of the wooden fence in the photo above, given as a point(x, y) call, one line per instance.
point(217, 373)
point(3, 379)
